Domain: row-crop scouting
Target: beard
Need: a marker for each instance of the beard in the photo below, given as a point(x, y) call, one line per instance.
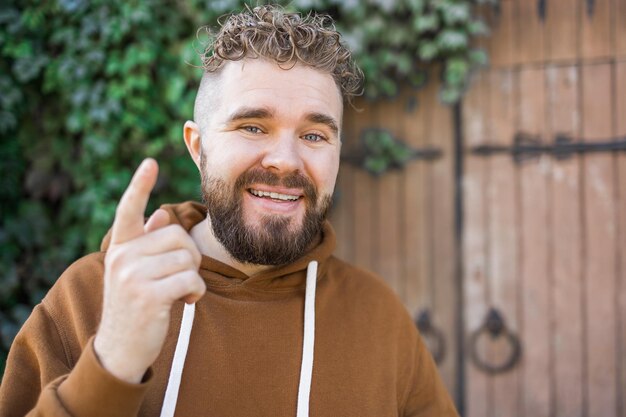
point(275, 240)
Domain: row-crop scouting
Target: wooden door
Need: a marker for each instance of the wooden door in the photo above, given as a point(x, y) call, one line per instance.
point(544, 236)
point(539, 239)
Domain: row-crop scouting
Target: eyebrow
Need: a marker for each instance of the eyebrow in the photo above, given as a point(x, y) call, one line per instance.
point(324, 119)
point(251, 113)
point(265, 113)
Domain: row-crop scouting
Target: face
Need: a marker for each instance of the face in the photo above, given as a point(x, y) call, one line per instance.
point(269, 159)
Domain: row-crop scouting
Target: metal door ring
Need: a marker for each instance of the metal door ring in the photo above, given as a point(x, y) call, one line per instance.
point(430, 332)
point(494, 327)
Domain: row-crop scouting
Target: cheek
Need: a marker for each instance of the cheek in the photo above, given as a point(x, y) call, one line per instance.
point(230, 157)
point(324, 172)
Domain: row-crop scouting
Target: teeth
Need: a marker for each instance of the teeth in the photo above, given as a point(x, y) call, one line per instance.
point(276, 196)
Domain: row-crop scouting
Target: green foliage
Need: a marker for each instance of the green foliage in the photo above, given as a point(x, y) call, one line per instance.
point(383, 152)
point(394, 40)
point(89, 88)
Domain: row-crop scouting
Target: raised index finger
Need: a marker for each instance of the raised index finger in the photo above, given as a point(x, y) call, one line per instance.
point(129, 216)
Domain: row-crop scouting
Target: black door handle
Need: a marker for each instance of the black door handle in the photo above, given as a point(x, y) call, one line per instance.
point(433, 336)
point(494, 328)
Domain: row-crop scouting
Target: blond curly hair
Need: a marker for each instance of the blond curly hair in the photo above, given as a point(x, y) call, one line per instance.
point(286, 38)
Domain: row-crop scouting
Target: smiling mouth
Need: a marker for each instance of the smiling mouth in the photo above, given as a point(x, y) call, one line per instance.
point(273, 196)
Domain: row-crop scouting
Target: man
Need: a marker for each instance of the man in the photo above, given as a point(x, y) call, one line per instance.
point(275, 325)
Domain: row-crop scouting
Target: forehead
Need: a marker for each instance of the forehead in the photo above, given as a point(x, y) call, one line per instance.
point(289, 92)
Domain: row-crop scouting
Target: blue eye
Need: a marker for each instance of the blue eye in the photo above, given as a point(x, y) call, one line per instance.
point(313, 137)
point(252, 129)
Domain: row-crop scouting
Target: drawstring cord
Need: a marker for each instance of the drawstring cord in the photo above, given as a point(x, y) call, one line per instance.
point(173, 383)
point(308, 344)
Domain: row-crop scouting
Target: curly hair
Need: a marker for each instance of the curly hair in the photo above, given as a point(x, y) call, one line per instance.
point(286, 38)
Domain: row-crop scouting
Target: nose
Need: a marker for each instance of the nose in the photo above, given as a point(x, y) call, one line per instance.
point(282, 154)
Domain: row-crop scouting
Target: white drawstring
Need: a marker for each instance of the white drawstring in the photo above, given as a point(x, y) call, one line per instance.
point(308, 344)
point(173, 383)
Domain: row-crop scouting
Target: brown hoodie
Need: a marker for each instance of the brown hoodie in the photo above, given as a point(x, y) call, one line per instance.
point(245, 348)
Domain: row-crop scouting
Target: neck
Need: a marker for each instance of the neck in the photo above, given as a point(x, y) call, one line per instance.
point(207, 243)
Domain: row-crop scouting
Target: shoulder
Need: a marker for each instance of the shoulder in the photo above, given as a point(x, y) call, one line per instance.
point(82, 280)
point(360, 280)
point(74, 302)
point(366, 290)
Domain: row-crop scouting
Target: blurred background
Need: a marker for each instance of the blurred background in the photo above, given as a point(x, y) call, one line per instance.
point(483, 176)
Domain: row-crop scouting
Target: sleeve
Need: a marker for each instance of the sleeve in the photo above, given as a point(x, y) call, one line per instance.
point(427, 395)
point(42, 378)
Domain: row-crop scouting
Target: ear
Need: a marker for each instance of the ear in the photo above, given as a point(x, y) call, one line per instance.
point(193, 140)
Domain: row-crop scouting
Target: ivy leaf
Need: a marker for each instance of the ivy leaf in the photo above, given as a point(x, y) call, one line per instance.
point(478, 57)
point(452, 39)
point(113, 64)
point(450, 95)
point(374, 26)
point(32, 18)
point(72, 6)
point(416, 6)
point(426, 23)
point(11, 95)
point(404, 64)
point(99, 146)
point(376, 166)
point(8, 121)
point(428, 50)
point(417, 78)
point(397, 36)
point(455, 13)
point(456, 72)
point(23, 49)
point(8, 14)
point(75, 122)
point(477, 28)
point(175, 90)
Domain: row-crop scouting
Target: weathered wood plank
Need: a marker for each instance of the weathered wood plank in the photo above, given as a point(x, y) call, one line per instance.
point(529, 33)
point(600, 233)
point(503, 231)
point(388, 235)
point(562, 30)
point(446, 290)
point(501, 51)
point(415, 127)
point(341, 214)
point(362, 190)
point(388, 185)
point(620, 28)
point(567, 294)
point(475, 120)
point(620, 112)
point(596, 27)
point(535, 277)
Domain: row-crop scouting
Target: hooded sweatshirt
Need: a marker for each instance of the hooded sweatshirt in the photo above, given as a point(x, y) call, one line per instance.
point(245, 347)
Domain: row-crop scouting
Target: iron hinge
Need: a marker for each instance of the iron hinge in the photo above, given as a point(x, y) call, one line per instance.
point(541, 10)
point(591, 5)
point(528, 147)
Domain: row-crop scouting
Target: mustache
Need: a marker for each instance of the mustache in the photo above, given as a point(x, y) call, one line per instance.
point(291, 180)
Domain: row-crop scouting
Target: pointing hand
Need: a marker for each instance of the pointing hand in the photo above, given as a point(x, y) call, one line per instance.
point(146, 269)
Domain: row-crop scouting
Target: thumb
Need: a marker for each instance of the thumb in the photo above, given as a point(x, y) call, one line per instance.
point(160, 218)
